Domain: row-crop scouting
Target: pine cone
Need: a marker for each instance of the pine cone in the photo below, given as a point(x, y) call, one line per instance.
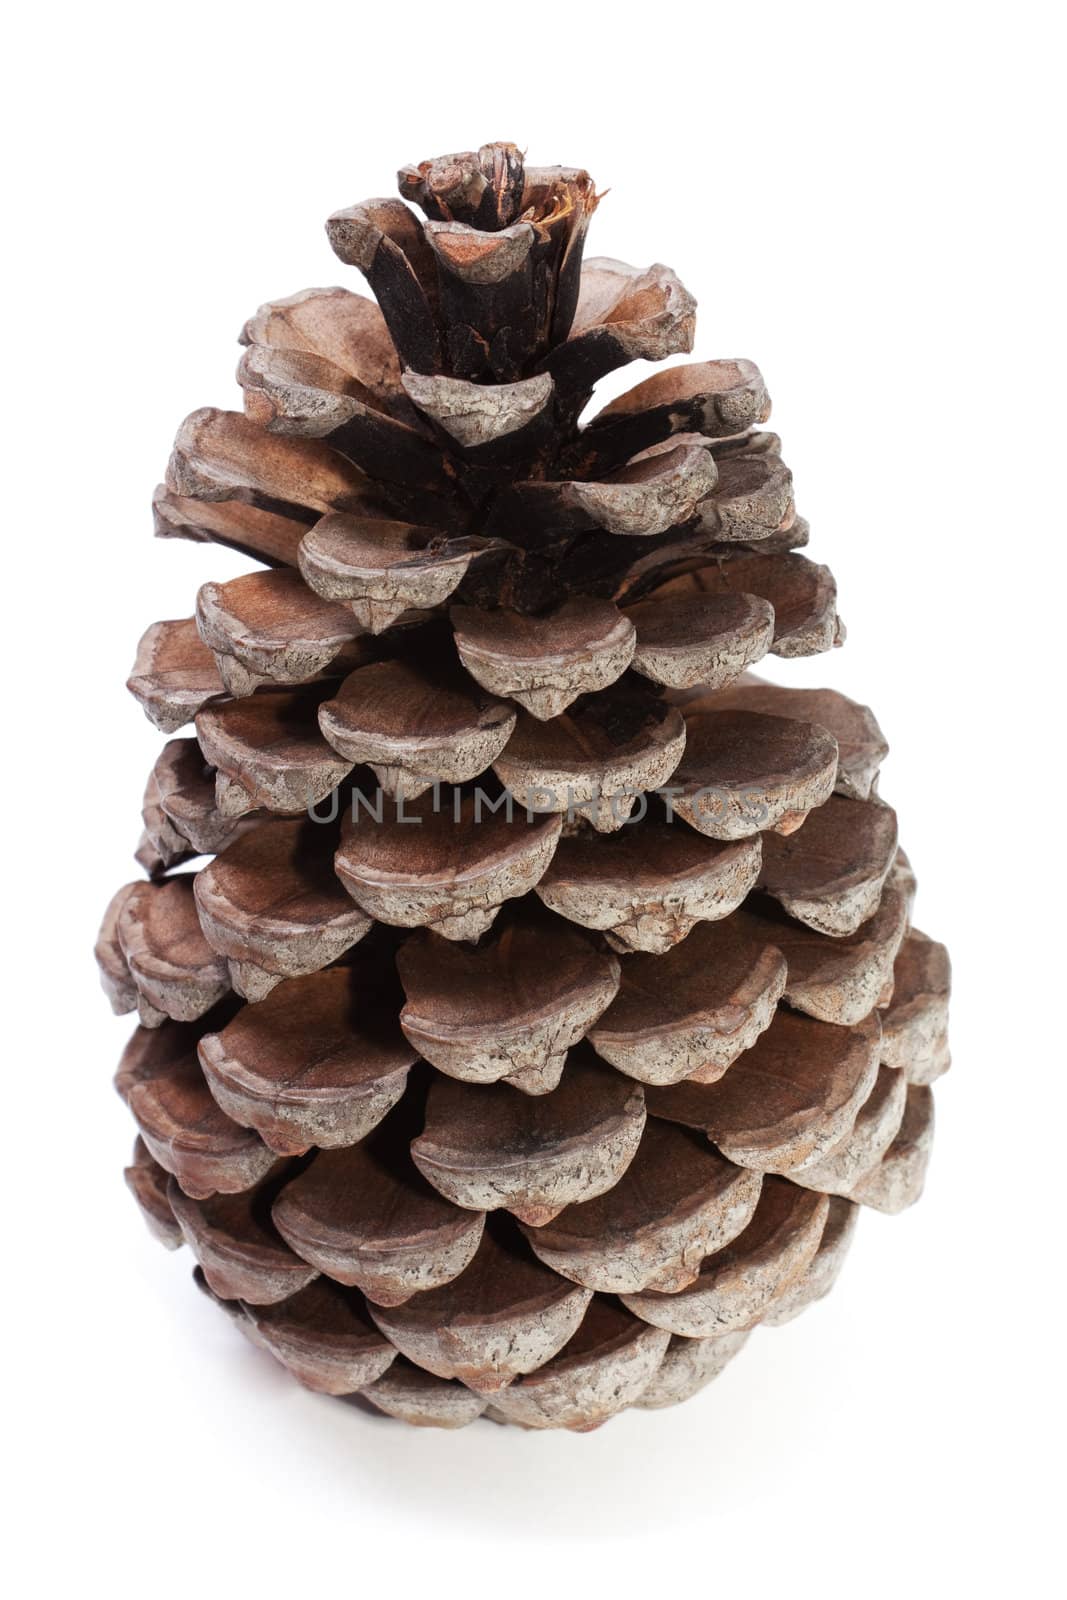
point(550, 1006)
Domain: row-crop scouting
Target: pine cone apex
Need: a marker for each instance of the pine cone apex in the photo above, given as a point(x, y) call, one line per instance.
point(482, 188)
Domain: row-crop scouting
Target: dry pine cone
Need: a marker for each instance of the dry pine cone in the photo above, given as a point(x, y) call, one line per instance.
point(549, 1007)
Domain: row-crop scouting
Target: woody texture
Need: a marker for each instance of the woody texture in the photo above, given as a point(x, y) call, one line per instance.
point(529, 1003)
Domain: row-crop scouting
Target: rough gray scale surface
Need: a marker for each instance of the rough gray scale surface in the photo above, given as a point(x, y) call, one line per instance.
point(897, 1181)
point(875, 1128)
point(582, 1390)
point(915, 1023)
point(689, 1366)
point(737, 1285)
point(477, 413)
point(821, 1275)
point(414, 1396)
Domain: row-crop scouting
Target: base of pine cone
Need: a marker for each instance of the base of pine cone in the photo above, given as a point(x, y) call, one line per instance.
point(639, 1298)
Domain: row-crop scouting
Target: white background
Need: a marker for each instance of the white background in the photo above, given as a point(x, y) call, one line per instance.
point(866, 202)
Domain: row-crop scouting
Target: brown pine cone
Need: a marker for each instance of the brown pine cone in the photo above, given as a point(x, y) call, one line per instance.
point(550, 1005)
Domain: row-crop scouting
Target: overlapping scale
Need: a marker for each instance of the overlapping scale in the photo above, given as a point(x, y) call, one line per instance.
point(713, 398)
point(174, 674)
point(323, 1335)
point(271, 904)
point(677, 1201)
point(788, 1100)
point(595, 762)
point(834, 978)
point(504, 1315)
point(647, 888)
point(830, 875)
point(861, 745)
point(182, 1126)
point(687, 1366)
point(744, 772)
point(915, 1022)
point(753, 500)
point(154, 957)
point(241, 1252)
point(897, 1181)
point(692, 1012)
point(269, 627)
point(223, 456)
point(739, 1283)
point(545, 662)
point(268, 753)
point(449, 867)
point(876, 1125)
point(821, 1273)
point(343, 328)
point(365, 1216)
point(802, 595)
point(269, 535)
point(181, 790)
point(487, 1147)
point(415, 1396)
point(623, 314)
point(416, 723)
point(319, 1062)
point(604, 1368)
point(383, 568)
point(705, 639)
point(492, 423)
point(293, 393)
point(509, 1009)
point(147, 1182)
